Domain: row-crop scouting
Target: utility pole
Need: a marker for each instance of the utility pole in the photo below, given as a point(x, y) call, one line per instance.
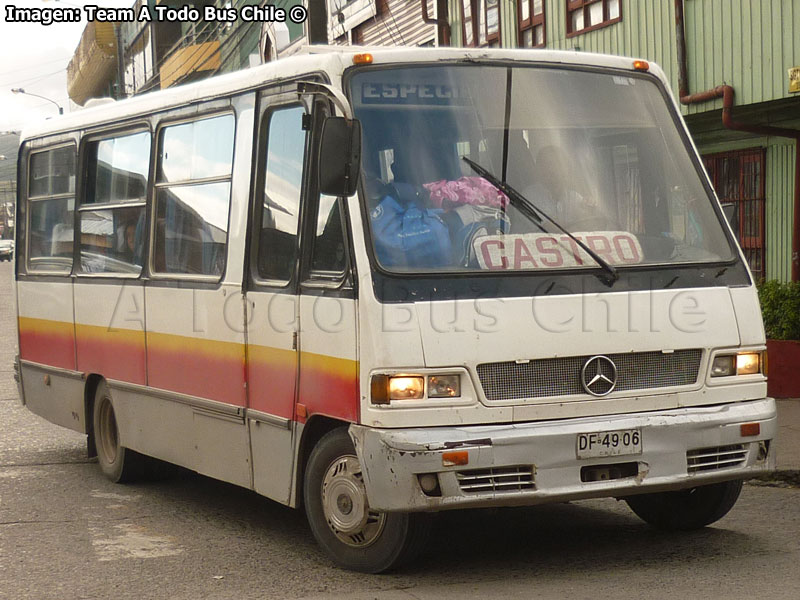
point(318, 22)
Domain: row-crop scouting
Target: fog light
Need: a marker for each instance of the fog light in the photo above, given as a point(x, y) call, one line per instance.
point(428, 482)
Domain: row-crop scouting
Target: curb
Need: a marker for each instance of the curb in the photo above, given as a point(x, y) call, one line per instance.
point(778, 478)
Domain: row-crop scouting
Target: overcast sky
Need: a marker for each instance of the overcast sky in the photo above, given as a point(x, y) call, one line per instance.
point(35, 58)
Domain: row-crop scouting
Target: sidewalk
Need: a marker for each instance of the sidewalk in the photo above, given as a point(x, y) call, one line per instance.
point(788, 446)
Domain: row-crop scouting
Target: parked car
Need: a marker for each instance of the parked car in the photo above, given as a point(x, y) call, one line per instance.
point(6, 249)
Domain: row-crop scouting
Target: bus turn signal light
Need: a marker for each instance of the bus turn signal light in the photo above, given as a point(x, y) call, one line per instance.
point(455, 458)
point(750, 429)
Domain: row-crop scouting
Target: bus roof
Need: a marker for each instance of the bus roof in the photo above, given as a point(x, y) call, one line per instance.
point(332, 60)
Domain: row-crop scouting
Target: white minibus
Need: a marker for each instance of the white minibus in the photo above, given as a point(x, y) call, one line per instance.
point(378, 283)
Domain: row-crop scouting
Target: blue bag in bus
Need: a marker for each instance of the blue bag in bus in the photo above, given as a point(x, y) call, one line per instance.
point(407, 234)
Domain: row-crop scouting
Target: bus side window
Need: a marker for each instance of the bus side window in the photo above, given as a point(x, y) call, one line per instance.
point(283, 177)
point(112, 208)
point(328, 255)
point(51, 202)
point(193, 191)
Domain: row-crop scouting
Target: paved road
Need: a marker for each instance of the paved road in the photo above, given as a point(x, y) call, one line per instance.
point(65, 532)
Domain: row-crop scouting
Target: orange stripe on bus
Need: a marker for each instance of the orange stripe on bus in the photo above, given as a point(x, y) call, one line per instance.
point(199, 367)
point(47, 342)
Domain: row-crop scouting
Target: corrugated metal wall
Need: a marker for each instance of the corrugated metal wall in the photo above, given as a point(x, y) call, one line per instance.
point(780, 187)
point(399, 24)
point(647, 30)
point(748, 44)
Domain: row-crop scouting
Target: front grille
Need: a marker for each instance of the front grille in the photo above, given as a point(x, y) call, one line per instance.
point(715, 458)
point(562, 376)
point(498, 480)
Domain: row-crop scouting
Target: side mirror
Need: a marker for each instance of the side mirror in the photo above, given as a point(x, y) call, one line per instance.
point(731, 212)
point(339, 156)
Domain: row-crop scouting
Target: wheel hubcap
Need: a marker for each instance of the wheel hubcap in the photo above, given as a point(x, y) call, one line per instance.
point(344, 500)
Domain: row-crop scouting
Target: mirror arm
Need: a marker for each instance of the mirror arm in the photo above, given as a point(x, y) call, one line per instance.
point(323, 89)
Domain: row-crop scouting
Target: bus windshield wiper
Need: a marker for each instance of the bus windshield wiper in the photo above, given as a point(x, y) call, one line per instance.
point(535, 214)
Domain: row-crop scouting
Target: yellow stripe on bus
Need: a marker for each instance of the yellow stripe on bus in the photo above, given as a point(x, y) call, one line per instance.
point(343, 367)
point(45, 326)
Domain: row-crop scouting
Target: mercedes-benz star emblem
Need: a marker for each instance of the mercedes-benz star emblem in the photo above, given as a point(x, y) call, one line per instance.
point(599, 376)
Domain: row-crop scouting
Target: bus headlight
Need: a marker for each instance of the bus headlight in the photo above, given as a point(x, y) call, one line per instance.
point(748, 363)
point(743, 363)
point(444, 386)
point(386, 388)
point(406, 387)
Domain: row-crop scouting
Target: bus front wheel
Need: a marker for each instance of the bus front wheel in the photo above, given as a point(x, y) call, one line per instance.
point(354, 535)
point(687, 509)
point(119, 464)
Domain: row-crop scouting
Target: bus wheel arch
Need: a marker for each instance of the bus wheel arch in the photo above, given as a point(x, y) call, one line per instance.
point(89, 390)
point(118, 463)
point(313, 431)
point(689, 509)
point(352, 534)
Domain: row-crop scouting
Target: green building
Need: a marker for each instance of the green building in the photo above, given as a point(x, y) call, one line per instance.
point(752, 46)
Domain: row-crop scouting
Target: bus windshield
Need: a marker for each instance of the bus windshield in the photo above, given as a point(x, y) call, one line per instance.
point(597, 152)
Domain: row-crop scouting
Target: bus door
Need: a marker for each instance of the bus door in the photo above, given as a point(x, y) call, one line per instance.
point(272, 308)
point(294, 372)
point(328, 383)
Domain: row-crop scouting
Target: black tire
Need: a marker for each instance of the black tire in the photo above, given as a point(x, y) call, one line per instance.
point(352, 535)
point(119, 464)
point(686, 509)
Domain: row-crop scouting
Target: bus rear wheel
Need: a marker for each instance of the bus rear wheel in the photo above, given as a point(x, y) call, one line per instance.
point(119, 464)
point(687, 509)
point(354, 535)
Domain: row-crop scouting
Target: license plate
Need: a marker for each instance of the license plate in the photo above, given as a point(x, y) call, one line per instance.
point(609, 443)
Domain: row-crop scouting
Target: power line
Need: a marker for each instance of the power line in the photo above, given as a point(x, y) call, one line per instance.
point(32, 79)
point(195, 52)
point(191, 33)
point(48, 62)
point(399, 32)
point(223, 58)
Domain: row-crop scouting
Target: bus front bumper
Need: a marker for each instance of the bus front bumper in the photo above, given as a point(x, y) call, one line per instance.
point(536, 463)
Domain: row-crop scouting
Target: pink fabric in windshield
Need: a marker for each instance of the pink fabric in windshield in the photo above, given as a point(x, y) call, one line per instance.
point(467, 190)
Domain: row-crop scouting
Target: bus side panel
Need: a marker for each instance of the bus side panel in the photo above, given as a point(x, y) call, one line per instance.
point(54, 395)
point(195, 349)
point(46, 329)
point(195, 342)
point(109, 330)
point(329, 357)
point(154, 425)
point(271, 382)
point(207, 437)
